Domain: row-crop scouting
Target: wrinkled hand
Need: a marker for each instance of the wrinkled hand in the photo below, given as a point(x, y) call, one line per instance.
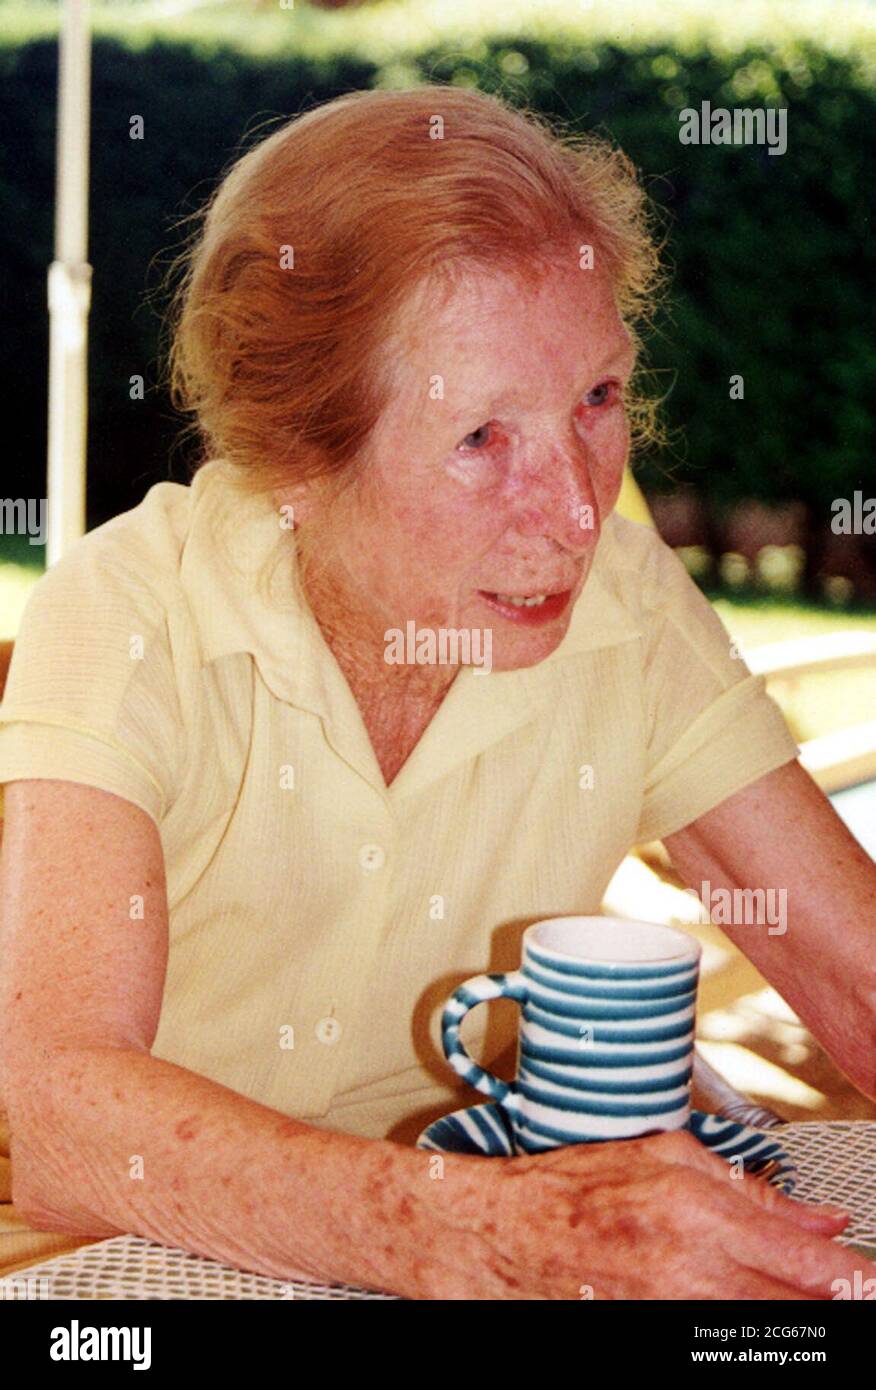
point(652, 1218)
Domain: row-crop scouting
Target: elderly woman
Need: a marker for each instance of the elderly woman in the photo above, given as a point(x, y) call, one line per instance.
point(249, 852)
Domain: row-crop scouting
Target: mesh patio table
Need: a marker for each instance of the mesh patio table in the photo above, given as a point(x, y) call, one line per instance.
point(835, 1161)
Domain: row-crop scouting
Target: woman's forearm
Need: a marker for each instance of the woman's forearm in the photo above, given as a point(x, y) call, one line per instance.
point(114, 1140)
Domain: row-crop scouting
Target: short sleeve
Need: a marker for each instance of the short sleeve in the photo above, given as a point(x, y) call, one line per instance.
point(711, 728)
point(91, 694)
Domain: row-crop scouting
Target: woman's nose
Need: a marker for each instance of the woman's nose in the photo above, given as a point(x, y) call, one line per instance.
point(558, 499)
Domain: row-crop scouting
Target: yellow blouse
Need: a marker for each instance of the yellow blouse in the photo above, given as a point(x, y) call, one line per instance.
point(318, 920)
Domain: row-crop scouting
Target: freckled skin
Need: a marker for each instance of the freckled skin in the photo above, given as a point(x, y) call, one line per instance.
point(444, 507)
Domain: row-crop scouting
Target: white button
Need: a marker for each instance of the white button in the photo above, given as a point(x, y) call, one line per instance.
point(372, 857)
point(328, 1030)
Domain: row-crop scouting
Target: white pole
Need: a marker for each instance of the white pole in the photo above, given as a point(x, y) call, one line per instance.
point(69, 289)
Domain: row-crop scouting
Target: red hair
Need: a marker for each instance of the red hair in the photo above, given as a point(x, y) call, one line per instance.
point(318, 237)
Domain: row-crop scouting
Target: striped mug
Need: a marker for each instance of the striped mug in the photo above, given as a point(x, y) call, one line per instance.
point(606, 1031)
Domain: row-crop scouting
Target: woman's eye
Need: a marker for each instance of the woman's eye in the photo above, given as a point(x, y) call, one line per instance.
point(600, 394)
point(603, 394)
point(477, 439)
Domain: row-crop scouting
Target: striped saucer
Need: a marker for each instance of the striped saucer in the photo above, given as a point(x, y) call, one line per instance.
point(485, 1129)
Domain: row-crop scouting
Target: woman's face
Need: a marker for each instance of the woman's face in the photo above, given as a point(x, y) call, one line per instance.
point(489, 474)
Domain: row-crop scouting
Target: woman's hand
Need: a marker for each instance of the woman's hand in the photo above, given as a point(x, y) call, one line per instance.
point(652, 1218)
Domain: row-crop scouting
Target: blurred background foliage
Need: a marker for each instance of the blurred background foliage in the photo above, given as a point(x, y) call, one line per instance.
point(772, 258)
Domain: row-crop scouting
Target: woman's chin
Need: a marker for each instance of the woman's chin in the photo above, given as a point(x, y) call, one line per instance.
point(516, 651)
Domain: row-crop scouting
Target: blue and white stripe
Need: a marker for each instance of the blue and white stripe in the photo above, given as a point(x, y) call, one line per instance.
point(486, 1130)
point(606, 1048)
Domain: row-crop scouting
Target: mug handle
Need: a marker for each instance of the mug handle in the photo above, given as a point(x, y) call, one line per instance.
point(478, 990)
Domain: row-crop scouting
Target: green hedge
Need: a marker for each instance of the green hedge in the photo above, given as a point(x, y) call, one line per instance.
point(773, 256)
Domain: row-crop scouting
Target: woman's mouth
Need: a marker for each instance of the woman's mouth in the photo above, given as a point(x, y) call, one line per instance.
point(529, 610)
